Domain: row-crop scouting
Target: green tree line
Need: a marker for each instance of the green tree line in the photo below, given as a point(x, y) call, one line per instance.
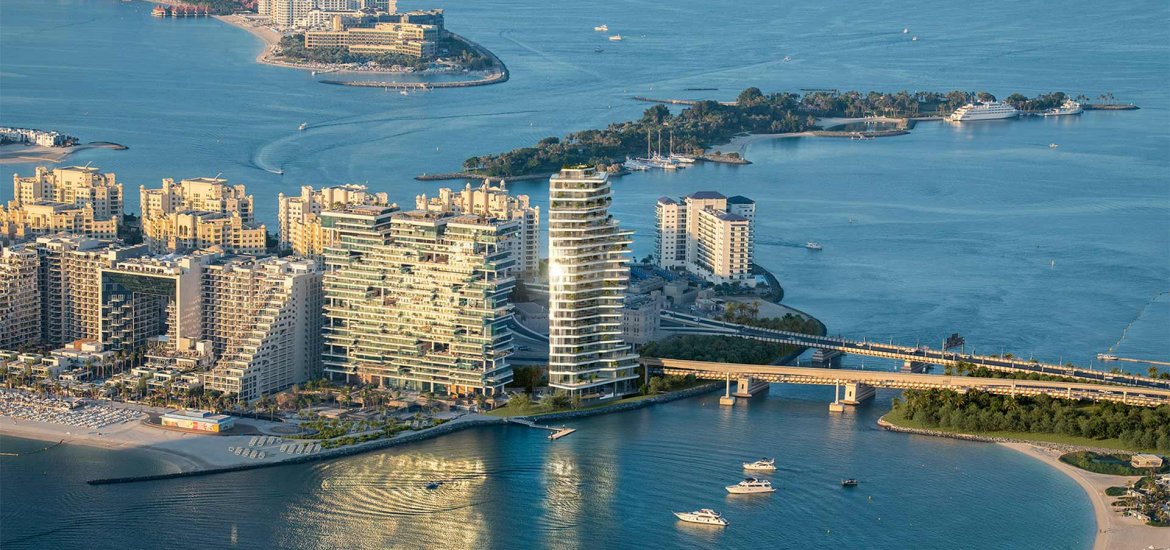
point(1136, 427)
point(723, 349)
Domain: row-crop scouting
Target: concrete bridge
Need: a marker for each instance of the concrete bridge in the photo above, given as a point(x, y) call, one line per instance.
point(915, 359)
point(859, 384)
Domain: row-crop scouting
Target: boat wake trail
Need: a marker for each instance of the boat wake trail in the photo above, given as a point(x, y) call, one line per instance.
point(1139, 315)
point(504, 34)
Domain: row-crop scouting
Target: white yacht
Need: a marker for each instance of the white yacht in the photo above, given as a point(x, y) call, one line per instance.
point(751, 485)
point(761, 465)
point(813, 245)
point(682, 158)
point(1069, 107)
point(601, 28)
point(303, 126)
point(636, 165)
point(983, 110)
point(616, 38)
point(706, 516)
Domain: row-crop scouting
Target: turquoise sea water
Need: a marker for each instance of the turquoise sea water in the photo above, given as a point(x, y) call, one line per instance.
point(948, 229)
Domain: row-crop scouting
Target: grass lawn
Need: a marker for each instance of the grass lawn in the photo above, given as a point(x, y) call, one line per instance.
point(897, 419)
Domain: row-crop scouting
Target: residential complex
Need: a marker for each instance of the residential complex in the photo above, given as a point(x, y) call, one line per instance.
point(587, 279)
point(415, 34)
point(707, 234)
point(418, 300)
point(199, 213)
point(300, 216)
point(78, 200)
point(75, 186)
point(495, 202)
point(300, 13)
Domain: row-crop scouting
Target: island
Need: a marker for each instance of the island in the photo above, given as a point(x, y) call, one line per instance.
point(704, 124)
point(370, 41)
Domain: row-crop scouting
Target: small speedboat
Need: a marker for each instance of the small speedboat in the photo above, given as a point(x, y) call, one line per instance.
point(751, 485)
point(1053, 146)
point(601, 28)
point(761, 465)
point(813, 245)
point(849, 482)
point(303, 126)
point(706, 516)
point(434, 485)
point(616, 38)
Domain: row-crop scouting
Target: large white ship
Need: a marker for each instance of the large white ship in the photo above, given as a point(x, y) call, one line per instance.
point(983, 110)
point(1069, 107)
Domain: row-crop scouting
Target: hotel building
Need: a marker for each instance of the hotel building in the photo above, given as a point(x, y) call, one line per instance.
point(588, 276)
point(418, 300)
point(495, 202)
point(411, 39)
point(707, 234)
point(300, 216)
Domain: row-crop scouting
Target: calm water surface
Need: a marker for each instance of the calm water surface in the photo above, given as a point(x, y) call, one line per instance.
point(981, 229)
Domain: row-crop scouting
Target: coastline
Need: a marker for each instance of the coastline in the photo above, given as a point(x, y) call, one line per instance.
point(22, 154)
point(1114, 531)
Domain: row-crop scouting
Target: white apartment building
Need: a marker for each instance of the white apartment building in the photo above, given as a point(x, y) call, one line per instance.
point(707, 234)
point(495, 202)
point(75, 185)
point(279, 342)
point(588, 276)
point(20, 298)
point(418, 300)
point(145, 297)
point(300, 216)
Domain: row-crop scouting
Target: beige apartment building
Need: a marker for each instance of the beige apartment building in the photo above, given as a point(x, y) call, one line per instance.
point(200, 212)
point(494, 202)
point(30, 220)
point(418, 300)
point(75, 185)
point(300, 216)
point(707, 234)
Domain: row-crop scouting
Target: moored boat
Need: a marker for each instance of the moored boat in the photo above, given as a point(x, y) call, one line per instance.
point(813, 245)
point(751, 485)
point(705, 516)
point(616, 38)
point(761, 465)
point(601, 28)
point(849, 482)
point(1069, 107)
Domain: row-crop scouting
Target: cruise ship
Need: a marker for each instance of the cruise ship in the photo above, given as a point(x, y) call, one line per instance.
point(751, 485)
point(983, 110)
point(706, 516)
point(1069, 107)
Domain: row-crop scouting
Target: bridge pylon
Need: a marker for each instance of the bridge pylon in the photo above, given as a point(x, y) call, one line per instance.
point(828, 358)
point(857, 393)
point(727, 399)
point(915, 367)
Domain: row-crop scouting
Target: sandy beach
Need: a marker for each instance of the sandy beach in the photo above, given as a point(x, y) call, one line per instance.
point(1114, 531)
point(23, 154)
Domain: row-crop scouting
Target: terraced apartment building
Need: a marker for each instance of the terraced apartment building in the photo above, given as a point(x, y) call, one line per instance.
point(418, 300)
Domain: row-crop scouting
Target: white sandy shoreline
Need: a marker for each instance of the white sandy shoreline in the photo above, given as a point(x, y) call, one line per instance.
point(1114, 531)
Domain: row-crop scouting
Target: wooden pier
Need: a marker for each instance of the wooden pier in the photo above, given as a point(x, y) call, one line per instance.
point(557, 432)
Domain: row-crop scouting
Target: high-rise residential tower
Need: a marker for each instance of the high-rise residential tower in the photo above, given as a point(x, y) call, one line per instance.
point(588, 275)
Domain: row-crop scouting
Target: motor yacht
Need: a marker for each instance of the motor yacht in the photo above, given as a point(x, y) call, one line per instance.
point(706, 516)
point(751, 485)
point(761, 465)
point(813, 245)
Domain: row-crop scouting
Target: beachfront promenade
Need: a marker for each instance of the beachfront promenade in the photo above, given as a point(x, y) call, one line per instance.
point(859, 383)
